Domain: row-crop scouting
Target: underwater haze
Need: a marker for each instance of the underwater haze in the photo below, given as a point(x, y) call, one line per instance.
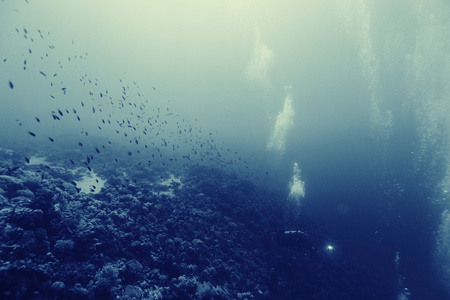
point(225, 150)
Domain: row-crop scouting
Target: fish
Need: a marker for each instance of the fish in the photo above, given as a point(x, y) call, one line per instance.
point(31, 133)
point(43, 73)
point(37, 119)
point(80, 144)
point(55, 117)
point(51, 140)
point(72, 161)
point(27, 160)
point(11, 85)
point(60, 112)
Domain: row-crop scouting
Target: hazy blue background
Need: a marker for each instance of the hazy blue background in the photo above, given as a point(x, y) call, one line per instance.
point(366, 117)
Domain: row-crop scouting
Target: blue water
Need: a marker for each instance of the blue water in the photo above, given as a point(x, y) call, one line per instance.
point(327, 119)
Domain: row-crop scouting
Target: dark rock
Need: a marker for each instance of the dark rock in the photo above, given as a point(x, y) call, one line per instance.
point(79, 292)
point(63, 248)
point(27, 218)
point(133, 271)
point(58, 287)
point(26, 193)
point(35, 241)
point(3, 201)
point(21, 201)
point(10, 184)
point(132, 292)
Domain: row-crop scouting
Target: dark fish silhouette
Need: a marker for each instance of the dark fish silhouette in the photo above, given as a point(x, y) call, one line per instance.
point(11, 85)
point(51, 140)
point(42, 73)
point(31, 133)
point(37, 119)
point(80, 144)
point(27, 160)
